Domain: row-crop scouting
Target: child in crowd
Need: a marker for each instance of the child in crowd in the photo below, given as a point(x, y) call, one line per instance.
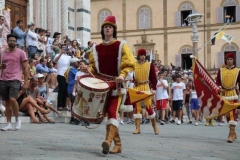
point(186, 102)
point(162, 96)
point(194, 104)
point(177, 90)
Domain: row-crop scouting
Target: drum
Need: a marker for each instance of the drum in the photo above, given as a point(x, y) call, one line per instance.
point(90, 100)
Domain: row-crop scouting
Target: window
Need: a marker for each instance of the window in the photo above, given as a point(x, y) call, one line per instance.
point(229, 12)
point(186, 61)
point(102, 16)
point(185, 9)
point(144, 18)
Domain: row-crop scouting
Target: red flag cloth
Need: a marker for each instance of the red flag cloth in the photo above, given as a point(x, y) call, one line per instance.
point(211, 104)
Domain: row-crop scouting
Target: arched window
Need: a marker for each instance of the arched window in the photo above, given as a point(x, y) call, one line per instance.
point(102, 16)
point(184, 10)
point(228, 12)
point(144, 18)
point(229, 48)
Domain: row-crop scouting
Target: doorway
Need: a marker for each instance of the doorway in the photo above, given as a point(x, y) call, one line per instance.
point(186, 61)
point(18, 11)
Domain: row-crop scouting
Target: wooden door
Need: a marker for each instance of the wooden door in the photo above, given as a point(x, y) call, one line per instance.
point(18, 11)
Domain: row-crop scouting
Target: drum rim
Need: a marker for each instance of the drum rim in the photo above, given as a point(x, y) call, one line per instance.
point(93, 89)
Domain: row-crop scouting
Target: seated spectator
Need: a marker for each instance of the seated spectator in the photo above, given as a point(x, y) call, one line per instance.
point(44, 93)
point(43, 69)
point(50, 65)
point(35, 59)
point(32, 68)
point(34, 92)
point(55, 47)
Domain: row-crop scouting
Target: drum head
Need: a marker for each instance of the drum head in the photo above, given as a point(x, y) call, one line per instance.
point(94, 83)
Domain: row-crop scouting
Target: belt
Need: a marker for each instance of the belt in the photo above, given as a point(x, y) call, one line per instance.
point(143, 82)
point(230, 88)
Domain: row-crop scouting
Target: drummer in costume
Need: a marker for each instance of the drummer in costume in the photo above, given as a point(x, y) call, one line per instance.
point(144, 79)
point(111, 60)
point(227, 79)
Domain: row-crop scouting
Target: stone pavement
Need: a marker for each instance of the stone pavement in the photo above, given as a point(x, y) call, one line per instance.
point(62, 141)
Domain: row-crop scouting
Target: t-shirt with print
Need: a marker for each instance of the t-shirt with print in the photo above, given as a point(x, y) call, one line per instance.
point(13, 61)
point(178, 90)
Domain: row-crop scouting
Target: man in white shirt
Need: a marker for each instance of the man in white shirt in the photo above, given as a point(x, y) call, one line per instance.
point(63, 62)
point(31, 40)
point(162, 96)
point(177, 91)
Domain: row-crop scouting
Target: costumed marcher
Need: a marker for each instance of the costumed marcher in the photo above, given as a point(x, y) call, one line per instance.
point(111, 60)
point(227, 79)
point(144, 79)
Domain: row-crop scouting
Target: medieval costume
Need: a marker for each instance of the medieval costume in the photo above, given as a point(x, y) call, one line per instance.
point(145, 79)
point(227, 79)
point(110, 61)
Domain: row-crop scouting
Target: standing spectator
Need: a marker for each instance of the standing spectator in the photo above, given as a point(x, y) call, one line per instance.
point(13, 61)
point(194, 104)
point(186, 102)
point(63, 62)
point(56, 36)
point(31, 40)
point(49, 43)
point(2, 19)
point(177, 91)
point(20, 34)
point(75, 49)
point(162, 96)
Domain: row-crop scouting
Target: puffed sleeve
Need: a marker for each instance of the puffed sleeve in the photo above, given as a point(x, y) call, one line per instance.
point(92, 66)
point(127, 62)
point(153, 77)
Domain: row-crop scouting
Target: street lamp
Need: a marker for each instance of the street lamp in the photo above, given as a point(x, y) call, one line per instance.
point(194, 19)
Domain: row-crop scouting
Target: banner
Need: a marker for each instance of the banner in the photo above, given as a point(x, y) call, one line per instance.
point(211, 103)
point(137, 96)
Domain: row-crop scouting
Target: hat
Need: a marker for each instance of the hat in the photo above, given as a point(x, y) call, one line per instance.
point(30, 24)
point(110, 20)
point(142, 52)
point(73, 60)
point(55, 34)
point(39, 75)
point(229, 55)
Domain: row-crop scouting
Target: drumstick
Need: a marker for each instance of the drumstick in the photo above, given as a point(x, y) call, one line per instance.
point(109, 81)
point(90, 73)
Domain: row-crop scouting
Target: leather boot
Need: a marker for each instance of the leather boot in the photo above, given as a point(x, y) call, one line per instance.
point(235, 134)
point(111, 130)
point(117, 141)
point(137, 124)
point(155, 127)
point(231, 135)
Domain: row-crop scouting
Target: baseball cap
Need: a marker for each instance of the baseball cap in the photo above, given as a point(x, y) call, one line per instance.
point(30, 24)
point(73, 60)
point(39, 75)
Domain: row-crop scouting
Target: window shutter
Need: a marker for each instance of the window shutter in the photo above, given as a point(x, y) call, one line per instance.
point(238, 59)
point(178, 19)
point(220, 15)
point(237, 13)
point(178, 60)
point(194, 11)
point(220, 59)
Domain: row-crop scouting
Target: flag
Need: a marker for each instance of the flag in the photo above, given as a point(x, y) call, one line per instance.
point(211, 103)
point(221, 35)
point(213, 38)
point(137, 96)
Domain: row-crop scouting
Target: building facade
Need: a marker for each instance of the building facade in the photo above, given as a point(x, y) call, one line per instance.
point(159, 26)
point(70, 17)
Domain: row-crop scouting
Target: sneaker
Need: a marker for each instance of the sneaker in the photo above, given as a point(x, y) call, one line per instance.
point(178, 122)
point(220, 124)
point(7, 128)
point(172, 121)
point(162, 122)
point(121, 122)
point(196, 124)
point(207, 124)
point(18, 124)
point(129, 121)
